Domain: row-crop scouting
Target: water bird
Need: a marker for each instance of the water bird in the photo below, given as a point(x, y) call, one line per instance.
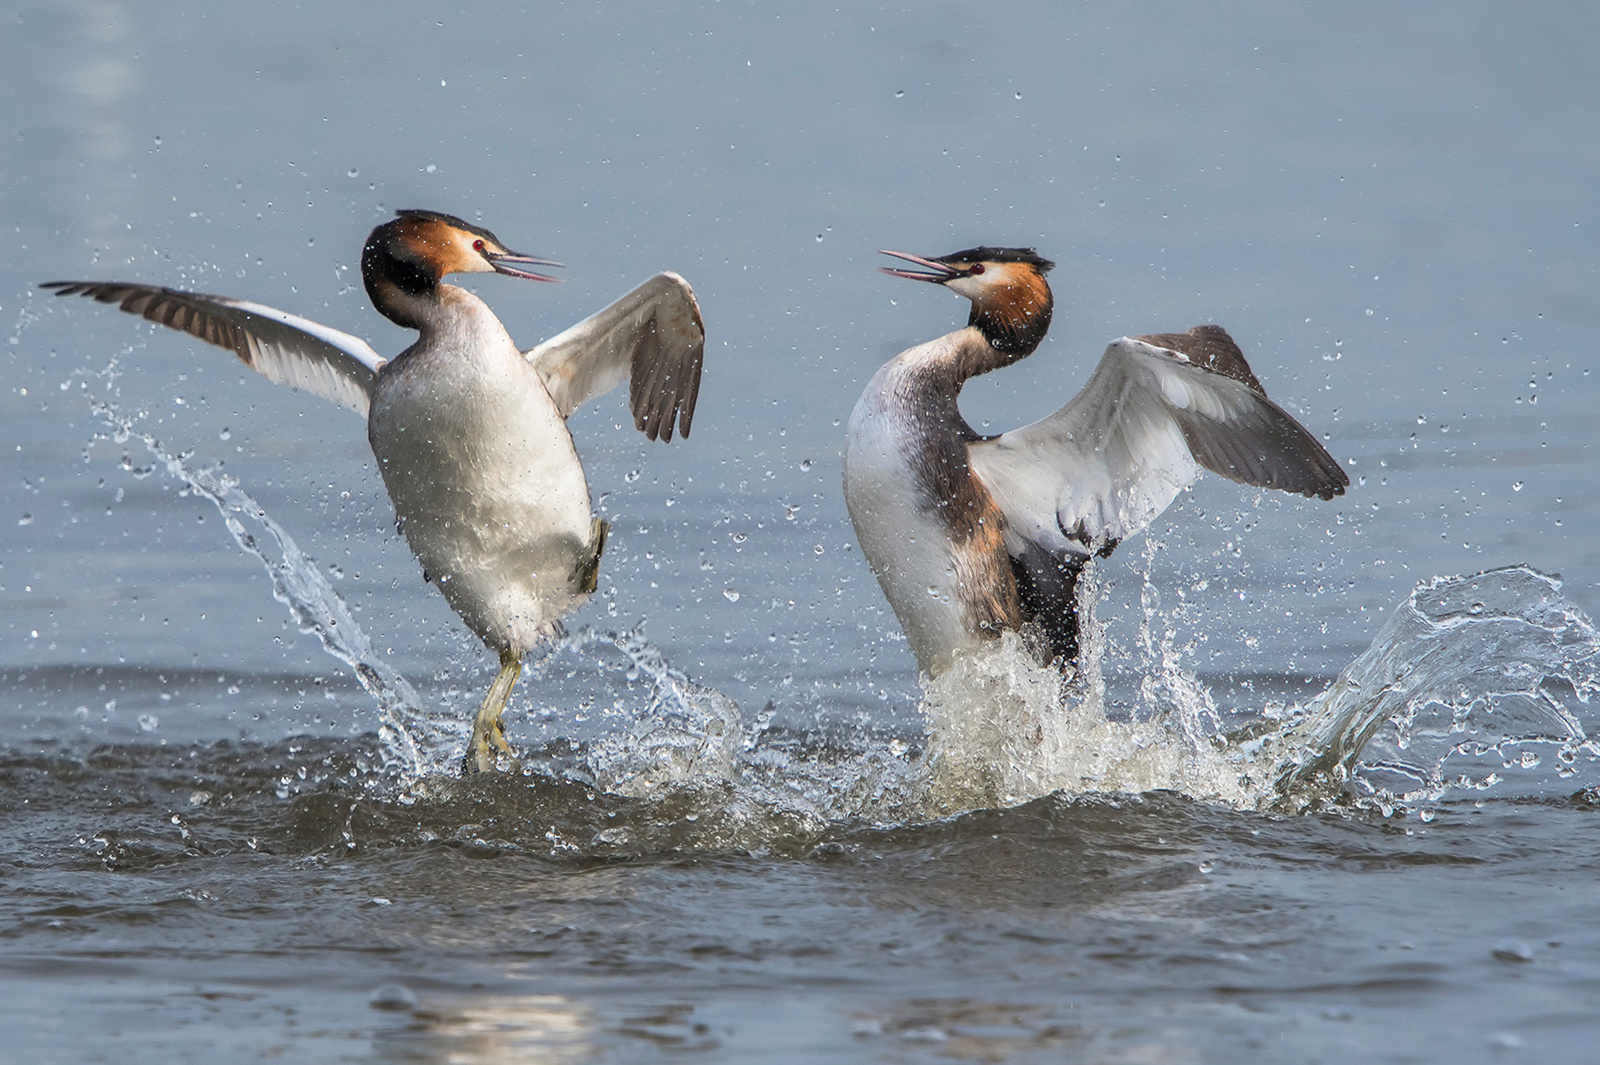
point(972, 535)
point(470, 432)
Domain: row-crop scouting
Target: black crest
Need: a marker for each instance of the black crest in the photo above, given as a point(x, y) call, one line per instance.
point(999, 255)
point(448, 219)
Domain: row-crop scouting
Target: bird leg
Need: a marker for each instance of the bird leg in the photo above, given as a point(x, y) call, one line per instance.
point(487, 728)
point(589, 575)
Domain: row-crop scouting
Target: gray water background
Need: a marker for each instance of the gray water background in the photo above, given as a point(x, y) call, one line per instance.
point(1392, 209)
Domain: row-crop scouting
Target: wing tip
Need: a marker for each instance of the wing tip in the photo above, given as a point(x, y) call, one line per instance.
point(1335, 487)
point(75, 288)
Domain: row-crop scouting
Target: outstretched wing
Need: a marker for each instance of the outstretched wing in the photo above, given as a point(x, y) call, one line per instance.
point(1154, 412)
point(653, 338)
point(282, 347)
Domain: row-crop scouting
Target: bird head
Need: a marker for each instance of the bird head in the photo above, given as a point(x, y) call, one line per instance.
point(1011, 300)
point(406, 257)
point(431, 244)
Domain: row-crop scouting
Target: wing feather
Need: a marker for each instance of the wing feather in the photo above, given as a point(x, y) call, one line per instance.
point(282, 347)
point(1150, 417)
point(653, 338)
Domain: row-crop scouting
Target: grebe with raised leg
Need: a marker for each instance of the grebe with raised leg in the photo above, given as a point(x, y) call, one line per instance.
point(469, 431)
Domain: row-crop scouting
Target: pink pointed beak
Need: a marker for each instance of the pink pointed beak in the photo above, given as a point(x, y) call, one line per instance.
point(941, 272)
point(507, 263)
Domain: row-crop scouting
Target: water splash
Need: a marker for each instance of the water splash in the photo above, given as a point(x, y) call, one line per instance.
point(685, 735)
point(416, 741)
point(1004, 731)
point(1474, 683)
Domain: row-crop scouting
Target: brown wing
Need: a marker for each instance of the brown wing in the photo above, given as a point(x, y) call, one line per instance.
point(282, 347)
point(653, 338)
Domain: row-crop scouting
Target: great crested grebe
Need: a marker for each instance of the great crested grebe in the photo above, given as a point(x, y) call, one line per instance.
point(469, 431)
point(972, 535)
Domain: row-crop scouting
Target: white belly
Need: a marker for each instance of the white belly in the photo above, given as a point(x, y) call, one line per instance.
point(903, 540)
point(487, 487)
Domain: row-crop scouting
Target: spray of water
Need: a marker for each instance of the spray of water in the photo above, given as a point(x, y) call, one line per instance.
point(416, 741)
point(1475, 683)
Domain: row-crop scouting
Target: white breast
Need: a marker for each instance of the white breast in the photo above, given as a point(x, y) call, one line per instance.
point(902, 538)
point(485, 479)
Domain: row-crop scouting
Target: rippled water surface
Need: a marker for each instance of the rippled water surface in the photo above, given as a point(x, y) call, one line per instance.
point(1326, 791)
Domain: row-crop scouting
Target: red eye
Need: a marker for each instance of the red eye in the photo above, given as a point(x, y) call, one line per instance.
point(477, 245)
point(977, 268)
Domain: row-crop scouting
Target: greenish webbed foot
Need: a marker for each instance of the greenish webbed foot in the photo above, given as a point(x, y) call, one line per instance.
point(488, 731)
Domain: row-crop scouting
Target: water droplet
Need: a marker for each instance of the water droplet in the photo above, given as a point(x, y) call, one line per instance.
point(394, 997)
point(731, 595)
point(1512, 950)
point(26, 519)
point(806, 464)
point(226, 434)
point(927, 1034)
point(149, 722)
point(1019, 96)
point(352, 173)
point(1516, 486)
point(899, 93)
point(817, 549)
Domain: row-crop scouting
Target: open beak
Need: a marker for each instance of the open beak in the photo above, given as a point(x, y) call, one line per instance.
point(937, 272)
point(508, 263)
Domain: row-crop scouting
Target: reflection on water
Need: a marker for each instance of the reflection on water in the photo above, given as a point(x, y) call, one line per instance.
point(968, 1030)
point(100, 82)
point(492, 918)
point(494, 1029)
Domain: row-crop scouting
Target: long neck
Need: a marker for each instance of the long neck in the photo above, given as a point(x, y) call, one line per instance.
point(927, 379)
point(916, 395)
point(404, 289)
